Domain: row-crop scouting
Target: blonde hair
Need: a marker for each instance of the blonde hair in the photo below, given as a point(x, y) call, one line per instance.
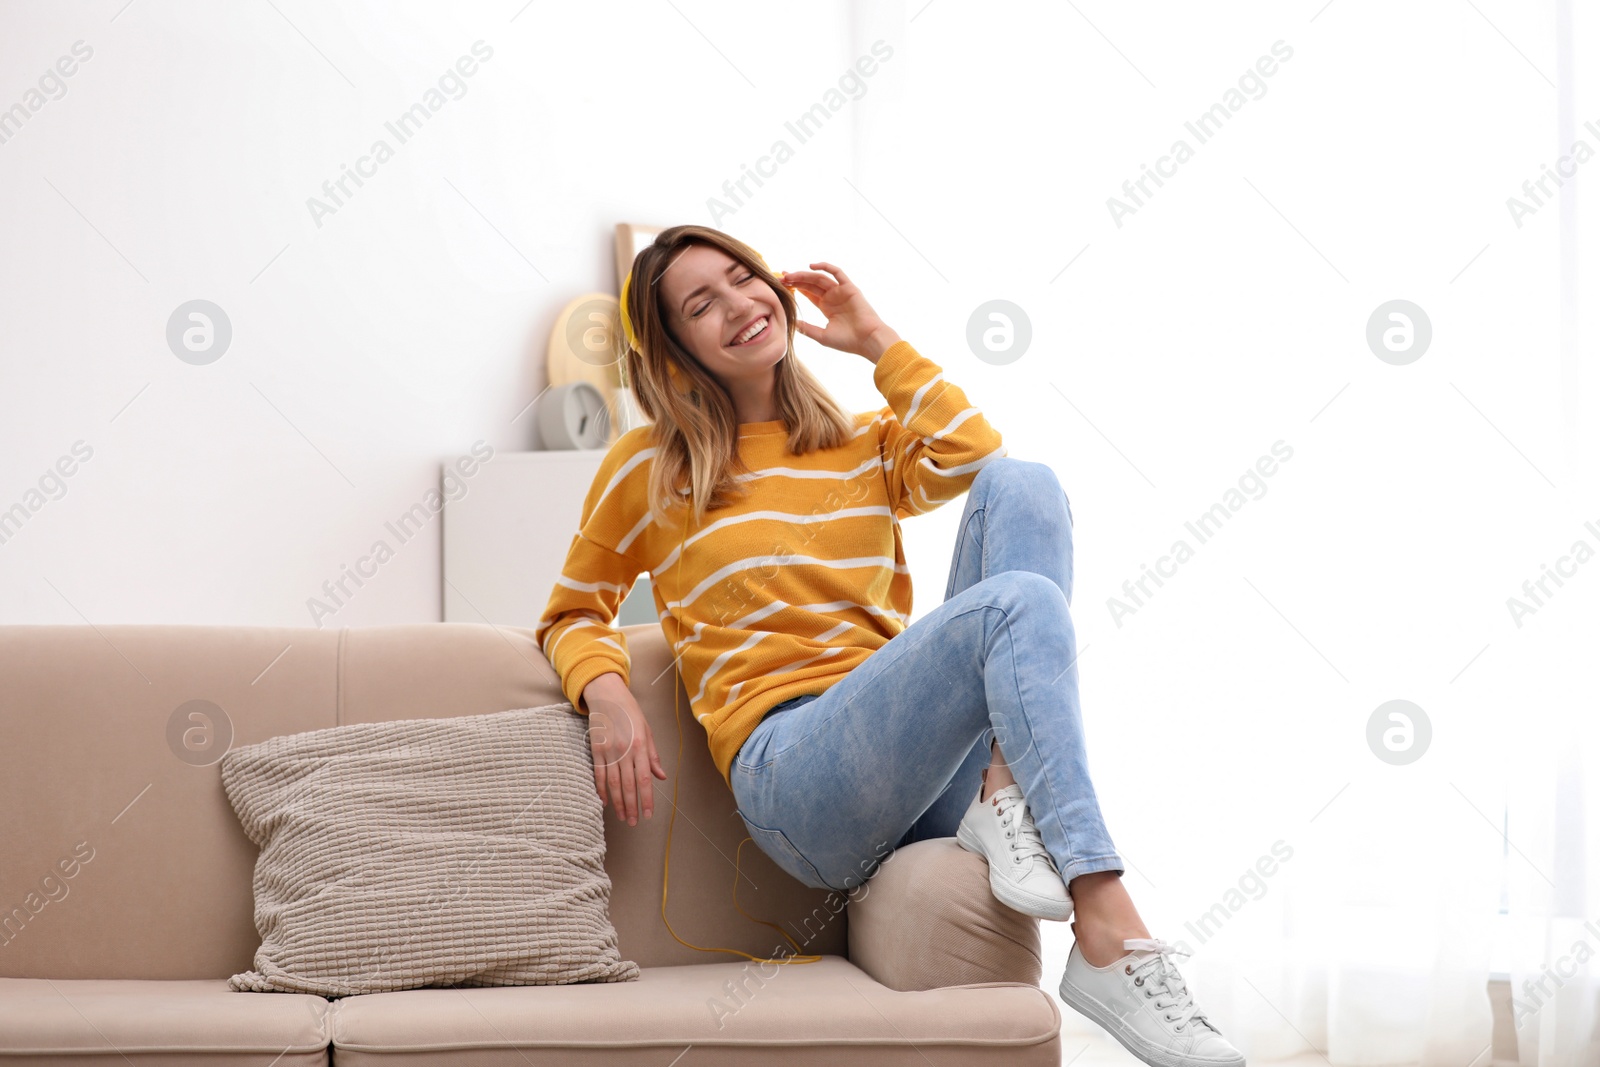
point(695, 425)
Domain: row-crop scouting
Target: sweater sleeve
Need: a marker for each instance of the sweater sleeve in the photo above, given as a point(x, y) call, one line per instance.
point(576, 632)
point(934, 441)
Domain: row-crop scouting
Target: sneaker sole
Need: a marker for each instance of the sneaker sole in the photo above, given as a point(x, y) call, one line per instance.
point(1111, 1023)
point(1009, 895)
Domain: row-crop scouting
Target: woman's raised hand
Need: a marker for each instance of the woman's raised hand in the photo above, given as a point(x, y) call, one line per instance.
point(852, 324)
point(625, 756)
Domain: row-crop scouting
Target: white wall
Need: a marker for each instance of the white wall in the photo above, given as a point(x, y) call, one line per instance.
point(369, 348)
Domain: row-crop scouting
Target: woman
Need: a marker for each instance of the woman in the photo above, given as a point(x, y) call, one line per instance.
point(768, 520)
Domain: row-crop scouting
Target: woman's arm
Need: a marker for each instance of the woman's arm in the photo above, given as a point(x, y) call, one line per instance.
point(934, 441)
point(576, 632)
point(589, 653)
point(624, 751)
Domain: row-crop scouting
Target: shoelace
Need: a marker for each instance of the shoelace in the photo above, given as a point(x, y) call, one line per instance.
point(1024, 834)
point(1161, 980)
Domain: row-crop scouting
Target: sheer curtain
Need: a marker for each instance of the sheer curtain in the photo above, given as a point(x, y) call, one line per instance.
point(1552, 923)
point(1553, 929)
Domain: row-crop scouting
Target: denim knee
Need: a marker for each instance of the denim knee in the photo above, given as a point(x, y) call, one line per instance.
point(1012, 469)
point(1030, 479)
point(1011, 590)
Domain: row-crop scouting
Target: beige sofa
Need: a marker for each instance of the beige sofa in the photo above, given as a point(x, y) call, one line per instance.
point(125, 880)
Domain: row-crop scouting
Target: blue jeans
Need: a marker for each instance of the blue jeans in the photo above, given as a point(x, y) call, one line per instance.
point(829, 785)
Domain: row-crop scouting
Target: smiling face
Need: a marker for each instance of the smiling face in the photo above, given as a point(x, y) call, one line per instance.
point(711, 302)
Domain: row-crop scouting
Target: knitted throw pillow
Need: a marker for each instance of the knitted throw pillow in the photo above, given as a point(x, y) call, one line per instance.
point(427, 852)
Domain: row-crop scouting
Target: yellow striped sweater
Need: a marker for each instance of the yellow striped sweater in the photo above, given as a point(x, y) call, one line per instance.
point(787, 590)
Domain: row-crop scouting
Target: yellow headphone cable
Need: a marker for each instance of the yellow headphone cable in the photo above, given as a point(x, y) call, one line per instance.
point(666, 859)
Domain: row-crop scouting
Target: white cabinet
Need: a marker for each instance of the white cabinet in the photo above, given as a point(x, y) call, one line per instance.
point(506, 538)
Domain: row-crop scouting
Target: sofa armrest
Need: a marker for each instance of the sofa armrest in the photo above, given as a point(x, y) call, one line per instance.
point(927, 919)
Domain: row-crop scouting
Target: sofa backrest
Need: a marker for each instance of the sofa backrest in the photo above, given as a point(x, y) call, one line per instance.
point(121, 856)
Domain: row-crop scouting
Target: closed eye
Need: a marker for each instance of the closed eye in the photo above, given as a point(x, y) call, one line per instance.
point(696, 313)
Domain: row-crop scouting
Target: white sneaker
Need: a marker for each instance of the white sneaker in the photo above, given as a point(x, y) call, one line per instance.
point(1143, 1002)
point(1022, 875)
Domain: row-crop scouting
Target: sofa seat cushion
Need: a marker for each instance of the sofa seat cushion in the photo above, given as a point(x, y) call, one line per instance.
point(83, 1021)
point(827, 1012)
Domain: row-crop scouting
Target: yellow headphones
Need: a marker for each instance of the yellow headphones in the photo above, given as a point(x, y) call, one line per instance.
point(677, 688)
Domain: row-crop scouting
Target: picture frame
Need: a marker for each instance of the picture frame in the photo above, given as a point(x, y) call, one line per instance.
point(631, 239)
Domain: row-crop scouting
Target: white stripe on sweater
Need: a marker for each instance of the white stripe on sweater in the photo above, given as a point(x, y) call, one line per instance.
point(785, 560)
point(787, 516)
point(916, 398)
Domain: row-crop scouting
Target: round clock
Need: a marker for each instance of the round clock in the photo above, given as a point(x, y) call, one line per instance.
point(573, 416)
